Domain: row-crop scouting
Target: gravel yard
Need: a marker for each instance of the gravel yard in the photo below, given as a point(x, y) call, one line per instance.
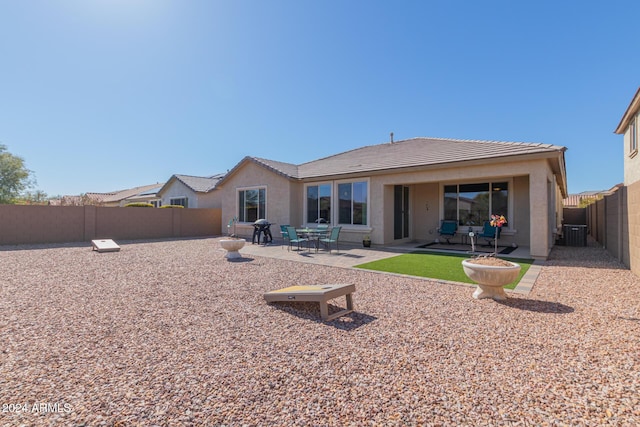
point(172, 334)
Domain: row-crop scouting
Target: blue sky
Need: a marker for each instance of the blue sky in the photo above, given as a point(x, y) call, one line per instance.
point(111, 94)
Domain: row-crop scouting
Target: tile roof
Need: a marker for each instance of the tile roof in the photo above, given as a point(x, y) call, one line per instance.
point(200, 184)
point(574, 200)
point(116, 196)
point(632, 109)
point(415, 152)
point(418, 152)
point(286, 169)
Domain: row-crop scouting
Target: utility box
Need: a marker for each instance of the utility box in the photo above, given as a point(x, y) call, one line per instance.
point(575, 235)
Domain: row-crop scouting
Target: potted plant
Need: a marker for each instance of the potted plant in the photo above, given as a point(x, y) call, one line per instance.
point(490, 272)
point(232, 244)
point(366, 241)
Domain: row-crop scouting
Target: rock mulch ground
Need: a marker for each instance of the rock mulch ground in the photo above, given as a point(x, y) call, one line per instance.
point(172, 334)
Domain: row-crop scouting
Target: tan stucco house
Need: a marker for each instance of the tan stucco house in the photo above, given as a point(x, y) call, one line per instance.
point(629, 126)
point(190, 191)
point(144, 193)
point(399, 192)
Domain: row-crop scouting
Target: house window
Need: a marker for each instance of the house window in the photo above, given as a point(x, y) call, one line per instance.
point(319, 203)
point(473, 204)
point(156, 203)
point(252, 204)
point(353, 203)
point(180, 201)
point(633, 136)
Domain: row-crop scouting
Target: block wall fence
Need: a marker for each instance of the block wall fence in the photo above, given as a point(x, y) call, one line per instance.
point(614, 222)
point(66, 224)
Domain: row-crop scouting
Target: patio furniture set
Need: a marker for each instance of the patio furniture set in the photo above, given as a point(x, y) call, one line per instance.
point(320, 235)
point(449, 229)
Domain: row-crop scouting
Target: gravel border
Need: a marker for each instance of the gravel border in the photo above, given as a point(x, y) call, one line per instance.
point(170, 333)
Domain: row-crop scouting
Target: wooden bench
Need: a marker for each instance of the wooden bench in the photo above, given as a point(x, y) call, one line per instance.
point(316, 293)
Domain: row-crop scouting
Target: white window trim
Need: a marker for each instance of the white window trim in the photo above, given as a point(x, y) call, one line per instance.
point(254, 187)
point(304, 201)
point(333, 221)
point(334, 208)
point(179, 197)
point(633, 136)
point(507, 228)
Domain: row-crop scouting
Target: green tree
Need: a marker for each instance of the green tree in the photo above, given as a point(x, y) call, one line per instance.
point(14, 176)
point(37, 197)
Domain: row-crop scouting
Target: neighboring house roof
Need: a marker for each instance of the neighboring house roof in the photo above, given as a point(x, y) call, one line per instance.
point(410, 153)
point(116, 196)
point(199, 184)
point(146, 195)
point(632, 109)
point(574, 200)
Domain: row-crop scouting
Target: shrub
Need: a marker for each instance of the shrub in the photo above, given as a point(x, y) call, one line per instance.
point(138, 205)
point(172, 206)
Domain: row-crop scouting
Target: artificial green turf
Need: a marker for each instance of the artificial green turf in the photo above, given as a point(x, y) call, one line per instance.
point(435, 265)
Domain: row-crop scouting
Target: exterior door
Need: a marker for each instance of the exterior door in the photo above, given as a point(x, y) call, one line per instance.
point(400, 212)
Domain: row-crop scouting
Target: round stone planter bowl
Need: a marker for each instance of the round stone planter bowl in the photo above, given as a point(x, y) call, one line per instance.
point(232, 246)
point(491, 278)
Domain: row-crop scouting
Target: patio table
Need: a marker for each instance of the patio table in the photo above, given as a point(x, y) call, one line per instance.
point(313, 235)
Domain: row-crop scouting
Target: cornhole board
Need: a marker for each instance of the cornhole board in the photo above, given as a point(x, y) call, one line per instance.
point(316, 293)
point(105, 245)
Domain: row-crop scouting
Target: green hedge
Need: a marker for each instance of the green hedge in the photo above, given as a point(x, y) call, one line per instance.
point(172, 206)
point(138, 205)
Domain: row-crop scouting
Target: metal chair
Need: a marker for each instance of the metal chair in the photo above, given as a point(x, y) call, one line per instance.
point(448, 230)
point(333, 237)
point(489, 233)
point(284, 232)
point(293, 237)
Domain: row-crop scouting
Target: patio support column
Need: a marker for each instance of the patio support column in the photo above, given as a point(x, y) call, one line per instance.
point(539, 208)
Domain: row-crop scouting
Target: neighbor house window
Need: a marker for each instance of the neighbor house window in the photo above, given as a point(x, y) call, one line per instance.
point(252, 204)
point(156, 203)
point(353, 203)
point(633, 136)
point(473, 204)
point(180, 201)
point(319, 203)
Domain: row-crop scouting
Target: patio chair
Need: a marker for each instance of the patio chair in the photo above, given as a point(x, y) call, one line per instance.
point(333, 237)
point(489, 233)
point(284, 232)
point(322, 228)
point(448, 230)
point(293, 237)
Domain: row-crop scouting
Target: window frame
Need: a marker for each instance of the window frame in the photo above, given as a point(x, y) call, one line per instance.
point(491, 182)
point(306, 201)
point(241, 218)
point(336, 201)
point(633, 136)
point(173, 200)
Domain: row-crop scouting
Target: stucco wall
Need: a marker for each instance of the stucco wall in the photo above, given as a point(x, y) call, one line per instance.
point(521, 211)
point(424, 211)
point(177, 190)
point(633, 220)
point(282, 204)
point(532, 192)
point(209, 200)
point(60, 224)
point(631, 162)
point(528, 220)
